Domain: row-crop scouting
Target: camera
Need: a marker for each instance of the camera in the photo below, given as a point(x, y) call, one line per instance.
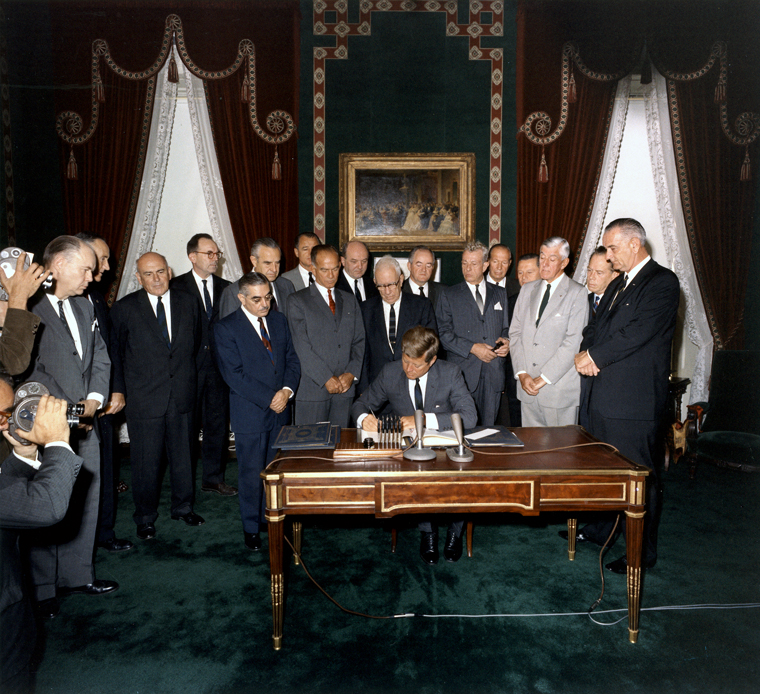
point(24, 409)
point(8, 258)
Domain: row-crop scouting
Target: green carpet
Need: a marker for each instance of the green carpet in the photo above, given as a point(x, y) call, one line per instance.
point(193, 613)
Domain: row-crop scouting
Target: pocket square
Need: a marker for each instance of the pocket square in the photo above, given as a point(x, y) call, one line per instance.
point(498, 307)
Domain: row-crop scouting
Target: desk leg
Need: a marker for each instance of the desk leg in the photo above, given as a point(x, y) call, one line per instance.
point(634, 533)
point(297, 534)
point(572, 527)
point(275, 528)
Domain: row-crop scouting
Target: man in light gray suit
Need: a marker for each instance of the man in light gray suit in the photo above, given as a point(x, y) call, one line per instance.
point(544, 337)
point(473, 327)
point(71, 360)
point(301, 276)
point(328, 334)
point(266, 257)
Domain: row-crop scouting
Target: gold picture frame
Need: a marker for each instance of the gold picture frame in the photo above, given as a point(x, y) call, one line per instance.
point(393, 202)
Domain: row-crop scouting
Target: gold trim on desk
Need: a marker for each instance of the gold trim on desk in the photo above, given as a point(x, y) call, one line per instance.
point(291, 503)
point(623, 486)
point(284, 476)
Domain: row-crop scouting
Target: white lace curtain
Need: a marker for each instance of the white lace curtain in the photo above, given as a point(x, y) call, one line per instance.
point(151, 188)
point(669, 209)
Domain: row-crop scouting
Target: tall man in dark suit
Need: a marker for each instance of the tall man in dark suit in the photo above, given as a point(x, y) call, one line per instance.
point(212, 396)
point(420, 381)
point(301, 276)
point(266, 257)
point(599, 274)
point(421, 265)
point(106, 537)
point(157, 334)
point(387, 317)
point(354, 277)
point(259, 363)
point(626, 352)
point(29, 498)
point(328, 334)
point(473, 327)
point(72, 361)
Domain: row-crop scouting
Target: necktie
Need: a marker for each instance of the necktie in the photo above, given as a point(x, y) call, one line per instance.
point(596, 303)
point(162, 326)
point(392, 328)
point(265, 338)
point(207, 300)
point(273, 305)
point(422, 292)
point(418, 404)
point(357, 292)
point(330, 301)
point(478, 298)
point(63, 319)
point(311, 279)
point(620, 290)
point(544, 301)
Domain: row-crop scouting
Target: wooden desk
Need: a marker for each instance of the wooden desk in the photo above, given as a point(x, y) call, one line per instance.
point(580, 477)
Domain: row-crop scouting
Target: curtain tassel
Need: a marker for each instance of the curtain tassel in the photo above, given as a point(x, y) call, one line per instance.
point(100, 93)
point(71, 169)
point(245, 91)
point(746, 168)
point(543, 169)
point(173, 73)
point(720, 91)
point(276, 167)
point(572, 94)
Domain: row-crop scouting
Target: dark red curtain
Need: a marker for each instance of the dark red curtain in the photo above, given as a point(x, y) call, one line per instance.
point(110, 165)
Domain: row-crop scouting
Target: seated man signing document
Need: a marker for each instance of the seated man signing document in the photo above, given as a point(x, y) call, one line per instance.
point(420, 382)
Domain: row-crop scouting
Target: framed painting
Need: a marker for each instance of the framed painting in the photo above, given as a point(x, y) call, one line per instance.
point(394, 202)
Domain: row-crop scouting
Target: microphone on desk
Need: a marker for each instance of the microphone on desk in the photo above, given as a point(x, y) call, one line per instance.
point(459, 454)
point(419, 453)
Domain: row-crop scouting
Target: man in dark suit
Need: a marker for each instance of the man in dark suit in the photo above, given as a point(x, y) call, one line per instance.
point(473, 327)
point(212, 396)
point(29, 498)
point(328, 334)
point(499, 263)
point(259, 363)
point(387, 317)
point(71, 360)
point(420, 381)
point(302, 276)
point(354, 277)
point(626, 352)
point(106, 537)
point(157, 333)
point(266, 258)
point(527, 268)
point(599, 274)
point(421, 265)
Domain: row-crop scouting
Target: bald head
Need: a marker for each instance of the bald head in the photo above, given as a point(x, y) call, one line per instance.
point(153, 273)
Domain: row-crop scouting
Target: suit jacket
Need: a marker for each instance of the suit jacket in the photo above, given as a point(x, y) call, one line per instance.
point(17, 340)
point(149, 369)
point(186, 283)
point(370, 289)
point(629, 340)
point(446, 392)
point(550, 347)
point(294, 277)
point(230, 303)
point(29, 499)
point(461, 325)
point(434, 289)
point(247, 368)
point(328, 345)
point(57, 364)
point(412, 311)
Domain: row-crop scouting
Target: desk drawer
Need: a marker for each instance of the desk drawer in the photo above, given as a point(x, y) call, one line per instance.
point(330, 496)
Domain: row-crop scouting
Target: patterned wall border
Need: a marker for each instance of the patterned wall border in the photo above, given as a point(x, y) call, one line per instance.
point(474, 30)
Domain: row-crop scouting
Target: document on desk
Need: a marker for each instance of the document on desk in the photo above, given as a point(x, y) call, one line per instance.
point(492, 436)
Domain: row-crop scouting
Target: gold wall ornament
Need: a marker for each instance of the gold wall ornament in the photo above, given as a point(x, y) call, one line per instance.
point(69, 124)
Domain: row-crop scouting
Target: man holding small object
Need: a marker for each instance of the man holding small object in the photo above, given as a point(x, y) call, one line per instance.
point(421, 382)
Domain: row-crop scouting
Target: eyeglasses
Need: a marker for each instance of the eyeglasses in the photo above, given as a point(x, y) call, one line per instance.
point(387, 286)
point(211, 255)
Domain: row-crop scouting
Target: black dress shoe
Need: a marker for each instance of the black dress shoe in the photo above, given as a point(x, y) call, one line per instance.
point(452, 550)
point(116, 545)
point(97, 587)
point(429, 548)
point(252, 541)
point(580, 538)
point(146, 531)
point(620, 566)
point(189, 518)
point(47, 609)
point(221, 488)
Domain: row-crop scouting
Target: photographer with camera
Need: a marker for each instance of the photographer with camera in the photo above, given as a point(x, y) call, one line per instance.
point(34, 493)
point(18, 326)
point(72, 362)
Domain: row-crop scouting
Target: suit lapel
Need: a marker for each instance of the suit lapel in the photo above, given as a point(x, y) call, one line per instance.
point(83, 326)
point(149, 317)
